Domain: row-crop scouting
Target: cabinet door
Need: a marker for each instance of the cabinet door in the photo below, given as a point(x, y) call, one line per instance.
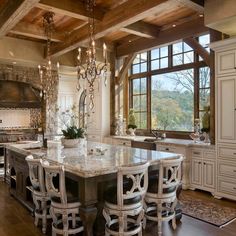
point(226, 109)
point(20, 184)
point(196, 172)
point(208, 174)
point(226, 62)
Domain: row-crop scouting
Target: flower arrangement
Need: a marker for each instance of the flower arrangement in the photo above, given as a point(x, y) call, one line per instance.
point(69, 123)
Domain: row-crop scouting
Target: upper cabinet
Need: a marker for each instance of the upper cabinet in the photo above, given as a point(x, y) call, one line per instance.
point(226, 62)
point(225, 67)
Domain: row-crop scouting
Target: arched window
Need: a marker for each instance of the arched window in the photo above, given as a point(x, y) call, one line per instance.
point(82, 109)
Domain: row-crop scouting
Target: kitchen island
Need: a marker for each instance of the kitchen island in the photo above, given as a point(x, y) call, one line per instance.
point(89, 169)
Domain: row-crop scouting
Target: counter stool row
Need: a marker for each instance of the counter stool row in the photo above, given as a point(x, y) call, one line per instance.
point(135, 199)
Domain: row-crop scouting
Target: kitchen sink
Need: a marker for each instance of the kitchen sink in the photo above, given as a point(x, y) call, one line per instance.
point(150, 140)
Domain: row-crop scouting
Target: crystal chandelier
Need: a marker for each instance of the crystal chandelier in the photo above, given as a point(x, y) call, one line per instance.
point(88, 68)
point(48, 72)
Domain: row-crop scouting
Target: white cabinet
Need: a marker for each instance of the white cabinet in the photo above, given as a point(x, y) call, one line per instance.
point(226, 62)
point(225, 66)
point(226, 173)
point(226, 107)
point(208, 180)
point(98, 122)
point(186, 163)
point(203, 169)
point(121, 142)
point(196, 170)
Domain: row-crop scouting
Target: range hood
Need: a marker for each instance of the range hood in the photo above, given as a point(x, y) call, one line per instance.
point(14, 94)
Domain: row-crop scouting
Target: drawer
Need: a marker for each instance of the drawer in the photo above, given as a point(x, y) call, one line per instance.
point(227, 185)
point(94, 138)
point(227, 169)
point(227, 152)
point(209, 154)
point(197, 153)
point(121, 142)
point(171, 149)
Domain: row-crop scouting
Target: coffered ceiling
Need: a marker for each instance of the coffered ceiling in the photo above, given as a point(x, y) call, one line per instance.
point(122, 24)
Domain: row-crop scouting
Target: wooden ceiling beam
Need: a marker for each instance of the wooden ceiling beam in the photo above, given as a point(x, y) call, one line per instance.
point(188, 29)
point(142, 29)
point(194, 44)
point(126, 64)
point(12, 12)
point(196, 5)
point(72, 8)
point(125, 14)
point(34, 31)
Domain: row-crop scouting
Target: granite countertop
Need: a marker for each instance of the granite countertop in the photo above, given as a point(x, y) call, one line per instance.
point(167, 141)
point(86, 163)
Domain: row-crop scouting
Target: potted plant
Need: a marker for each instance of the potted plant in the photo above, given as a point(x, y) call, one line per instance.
point(74, 136)
point(131, 125)
point(206, 124)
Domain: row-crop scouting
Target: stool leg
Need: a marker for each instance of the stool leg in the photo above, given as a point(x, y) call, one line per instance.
point(159, 218)
point(36, 221)
point(65, 223)
point(53, 233)
point(73, 220)
point(121, 225)
point(44, 218)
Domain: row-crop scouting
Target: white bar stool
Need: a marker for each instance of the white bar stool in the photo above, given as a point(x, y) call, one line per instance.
point(40, 197)
point(123, 209)
point(160, 199)
point(64, 207)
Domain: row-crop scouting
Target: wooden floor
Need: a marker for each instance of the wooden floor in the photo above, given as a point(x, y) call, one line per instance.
point(15, 220)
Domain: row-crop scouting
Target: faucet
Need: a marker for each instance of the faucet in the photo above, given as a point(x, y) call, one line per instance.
point(156, 133)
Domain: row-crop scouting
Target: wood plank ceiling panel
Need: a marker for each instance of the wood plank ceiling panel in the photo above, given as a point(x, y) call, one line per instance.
point(170, 15)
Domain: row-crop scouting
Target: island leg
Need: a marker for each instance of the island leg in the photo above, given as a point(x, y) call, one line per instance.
point(88, 216)
point(88, 198)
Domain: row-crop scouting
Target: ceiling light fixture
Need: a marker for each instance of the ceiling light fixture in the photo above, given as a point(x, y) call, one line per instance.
point(48, 72)
point(88, 67)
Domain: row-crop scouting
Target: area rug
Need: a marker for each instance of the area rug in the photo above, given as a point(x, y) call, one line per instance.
point(206, 211)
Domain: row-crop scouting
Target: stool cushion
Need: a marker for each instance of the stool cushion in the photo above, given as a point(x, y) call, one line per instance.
point(70, 198)
point(111, 197)
point(153, 185)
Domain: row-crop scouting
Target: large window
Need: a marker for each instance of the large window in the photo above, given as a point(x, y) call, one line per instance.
point(172, 105)
point(139, 101)
point(170, 87)
point(159, 58)
point(140, 63)
point(182, 54)
point(204, 89)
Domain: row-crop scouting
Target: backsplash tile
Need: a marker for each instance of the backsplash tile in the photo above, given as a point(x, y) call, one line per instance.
point(18, 118)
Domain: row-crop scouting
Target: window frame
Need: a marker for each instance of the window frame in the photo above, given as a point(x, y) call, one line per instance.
point(196, 65)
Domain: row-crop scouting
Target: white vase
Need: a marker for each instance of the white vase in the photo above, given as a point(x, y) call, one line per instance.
point(73, 143)
point(132, 131)
point(207, 138)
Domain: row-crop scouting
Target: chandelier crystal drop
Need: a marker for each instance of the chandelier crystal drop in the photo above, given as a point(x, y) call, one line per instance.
point(48, 72)
point(88, 67)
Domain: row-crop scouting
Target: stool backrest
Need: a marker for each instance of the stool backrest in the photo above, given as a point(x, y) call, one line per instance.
point(36, 173)
point(169, 174)
point(52, 172)
point(137, 177)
